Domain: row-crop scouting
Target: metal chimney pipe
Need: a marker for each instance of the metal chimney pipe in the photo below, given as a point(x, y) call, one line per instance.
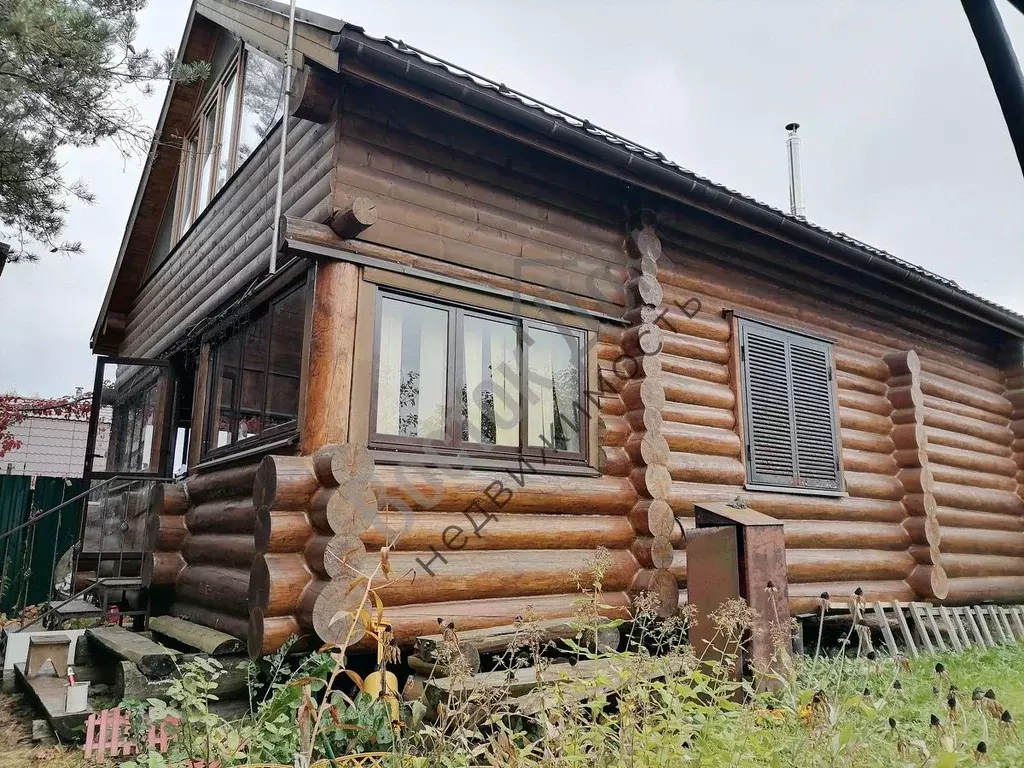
point(796, 181)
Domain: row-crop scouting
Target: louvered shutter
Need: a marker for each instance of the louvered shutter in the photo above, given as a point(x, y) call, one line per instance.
point(789, 409)
point(771, 444)
point(814, 414)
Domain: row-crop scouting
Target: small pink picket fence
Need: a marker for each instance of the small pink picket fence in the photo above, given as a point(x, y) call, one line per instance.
point(107, 735)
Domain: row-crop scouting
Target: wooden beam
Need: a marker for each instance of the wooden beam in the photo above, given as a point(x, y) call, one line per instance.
point(350, 222)
point(314, 93)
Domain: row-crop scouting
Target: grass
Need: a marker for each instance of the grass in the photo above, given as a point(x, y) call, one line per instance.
point(16, 747)
point(880, 713)
point(826, 712)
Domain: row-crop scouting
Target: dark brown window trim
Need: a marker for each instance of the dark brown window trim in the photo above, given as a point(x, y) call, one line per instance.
point(517, 464)
point(795, 491)
point(416, 448)
point(254, 447)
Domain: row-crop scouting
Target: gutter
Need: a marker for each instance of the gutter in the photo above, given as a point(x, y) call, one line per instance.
point(350, 42)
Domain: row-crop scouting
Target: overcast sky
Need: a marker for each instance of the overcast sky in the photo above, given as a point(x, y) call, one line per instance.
point(904, 146)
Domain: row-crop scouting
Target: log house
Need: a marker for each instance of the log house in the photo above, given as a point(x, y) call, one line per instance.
point(498, 338)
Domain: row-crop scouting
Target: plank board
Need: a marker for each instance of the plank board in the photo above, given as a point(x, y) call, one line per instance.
point(921, 625)
point(972, 622)
point(947, 623)
point(996, 625)
point(1015, 612)
point(883, 622)
point(908, 636)
point(983, 624)
point(958, 619)
point(930, 618)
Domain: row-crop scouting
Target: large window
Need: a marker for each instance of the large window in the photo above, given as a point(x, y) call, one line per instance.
point(789, 409)
point(227, 130)
point(450, 379)
point(255, 375)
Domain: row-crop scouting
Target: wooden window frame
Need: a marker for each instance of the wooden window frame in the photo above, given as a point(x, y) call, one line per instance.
point(215, 99)
point(739, 372)
point(408, 449)
point(262, 307)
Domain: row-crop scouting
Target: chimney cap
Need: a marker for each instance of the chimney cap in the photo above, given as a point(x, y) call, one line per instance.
point(792, 126)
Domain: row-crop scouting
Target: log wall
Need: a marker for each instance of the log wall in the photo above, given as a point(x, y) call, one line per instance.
point(933, 507)
point(201, 548)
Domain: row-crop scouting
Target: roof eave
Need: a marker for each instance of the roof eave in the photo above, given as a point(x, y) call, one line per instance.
point(97, 330)
point(352, 42)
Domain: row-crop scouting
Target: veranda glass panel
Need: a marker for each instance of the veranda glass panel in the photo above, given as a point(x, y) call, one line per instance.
point(257, 372)
point(287, 319)
point(412, 370)
point(254, 379)
point(490, 388)
point(225, 381)
point(553, 390)
point(135, 419)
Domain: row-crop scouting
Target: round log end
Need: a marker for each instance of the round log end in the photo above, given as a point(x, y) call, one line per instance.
point(661, 552)
point(647, 244)
point(323, 461)
point(352, 509)
point(259, 584)
point(653, 481)
point(932, 531)
point(263, 529)
point(364, 211)
point(663, 585)
point(334, 614)
point(929, 582)
point(168, 499)
point(161, 569)
point(654, 448)
point(343, 556)
point(351, 462)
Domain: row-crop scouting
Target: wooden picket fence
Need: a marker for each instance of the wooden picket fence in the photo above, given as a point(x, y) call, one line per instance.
point(927, 628)
point(106, 735)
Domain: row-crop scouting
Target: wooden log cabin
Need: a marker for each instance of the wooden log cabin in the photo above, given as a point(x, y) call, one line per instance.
point(497, 337)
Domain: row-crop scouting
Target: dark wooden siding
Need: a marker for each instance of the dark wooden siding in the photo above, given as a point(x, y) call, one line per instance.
point(229, 245)
point(453, 192)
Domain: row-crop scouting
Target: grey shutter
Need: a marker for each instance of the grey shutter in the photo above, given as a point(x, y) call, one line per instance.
point(814, 414)
point(771, 446)
point(789, 408)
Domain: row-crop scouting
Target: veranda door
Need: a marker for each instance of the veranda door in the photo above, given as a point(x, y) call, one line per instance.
point(128, 451)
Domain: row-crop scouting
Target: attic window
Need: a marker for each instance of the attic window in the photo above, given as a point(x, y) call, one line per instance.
point(790, 423)
point(227, 131)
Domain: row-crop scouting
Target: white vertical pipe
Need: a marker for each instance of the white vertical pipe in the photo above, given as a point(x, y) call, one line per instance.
point(278, 197)
point(796, 182)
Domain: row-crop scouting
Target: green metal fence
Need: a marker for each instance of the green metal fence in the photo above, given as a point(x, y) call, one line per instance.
point(30, 556)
